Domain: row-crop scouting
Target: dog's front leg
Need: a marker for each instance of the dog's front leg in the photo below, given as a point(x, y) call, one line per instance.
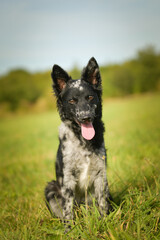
point(68, 194)
point(102, 193)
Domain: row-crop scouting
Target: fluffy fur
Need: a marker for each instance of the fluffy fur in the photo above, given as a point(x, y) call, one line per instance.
point(80, 163)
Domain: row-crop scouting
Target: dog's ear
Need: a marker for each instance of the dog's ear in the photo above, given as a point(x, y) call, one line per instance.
point(91, 74)
point(60, 79)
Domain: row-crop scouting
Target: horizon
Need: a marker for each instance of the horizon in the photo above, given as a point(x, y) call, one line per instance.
point(75, 66)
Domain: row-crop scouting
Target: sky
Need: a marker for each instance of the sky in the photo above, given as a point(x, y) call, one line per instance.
point(35, 34)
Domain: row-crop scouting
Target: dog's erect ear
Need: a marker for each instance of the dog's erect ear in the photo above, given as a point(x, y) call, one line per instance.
point(91, 73)
point(60, 79)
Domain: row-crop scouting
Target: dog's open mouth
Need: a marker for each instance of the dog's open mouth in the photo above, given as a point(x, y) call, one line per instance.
point(87, 130)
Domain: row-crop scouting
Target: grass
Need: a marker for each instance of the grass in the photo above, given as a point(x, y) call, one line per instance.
point(28, 147)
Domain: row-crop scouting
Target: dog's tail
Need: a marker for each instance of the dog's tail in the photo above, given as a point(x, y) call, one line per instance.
point(54, 198)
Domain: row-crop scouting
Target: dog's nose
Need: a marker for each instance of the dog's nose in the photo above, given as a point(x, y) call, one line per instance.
point(86, 119)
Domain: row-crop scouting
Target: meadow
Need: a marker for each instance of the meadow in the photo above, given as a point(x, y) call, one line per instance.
point(28, 145)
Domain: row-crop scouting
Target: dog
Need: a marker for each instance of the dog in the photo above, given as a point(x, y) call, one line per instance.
point(81, 156)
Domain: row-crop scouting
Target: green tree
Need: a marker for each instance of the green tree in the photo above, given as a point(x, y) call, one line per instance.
point(18, 85)
point(149, 70)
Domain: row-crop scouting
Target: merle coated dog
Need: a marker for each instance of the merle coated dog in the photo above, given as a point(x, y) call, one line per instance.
point(81, 156)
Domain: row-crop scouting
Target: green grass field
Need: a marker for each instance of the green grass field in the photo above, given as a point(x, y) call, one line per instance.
point(28, 147)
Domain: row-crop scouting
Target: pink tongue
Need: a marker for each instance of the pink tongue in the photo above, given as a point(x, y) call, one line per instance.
point(87, 130)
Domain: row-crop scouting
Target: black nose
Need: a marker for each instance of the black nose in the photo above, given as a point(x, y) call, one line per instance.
point(86, 119)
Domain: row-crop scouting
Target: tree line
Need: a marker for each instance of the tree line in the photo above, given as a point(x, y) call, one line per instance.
point(141, 74)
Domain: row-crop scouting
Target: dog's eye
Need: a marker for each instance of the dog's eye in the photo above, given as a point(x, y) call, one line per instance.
point(90, 98)
point(72, 101)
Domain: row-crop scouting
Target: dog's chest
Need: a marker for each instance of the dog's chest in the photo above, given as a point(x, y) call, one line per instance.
point(78, 159)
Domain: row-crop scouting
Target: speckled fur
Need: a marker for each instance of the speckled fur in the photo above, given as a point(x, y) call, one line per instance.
point(80, 164)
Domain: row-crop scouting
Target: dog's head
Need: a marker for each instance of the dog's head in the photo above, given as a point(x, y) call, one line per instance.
point(79, 101)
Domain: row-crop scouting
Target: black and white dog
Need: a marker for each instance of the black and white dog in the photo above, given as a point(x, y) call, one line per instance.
point(81, 156)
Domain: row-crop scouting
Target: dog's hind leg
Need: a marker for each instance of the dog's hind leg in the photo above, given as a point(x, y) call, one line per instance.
point(54, 198)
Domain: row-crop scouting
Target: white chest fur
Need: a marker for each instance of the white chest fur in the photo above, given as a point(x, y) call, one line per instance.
point(84, 174)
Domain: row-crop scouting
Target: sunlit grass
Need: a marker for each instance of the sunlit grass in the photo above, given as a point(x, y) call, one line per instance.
point(28, 146)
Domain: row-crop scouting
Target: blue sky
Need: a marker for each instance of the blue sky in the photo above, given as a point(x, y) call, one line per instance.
point(37, 34)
